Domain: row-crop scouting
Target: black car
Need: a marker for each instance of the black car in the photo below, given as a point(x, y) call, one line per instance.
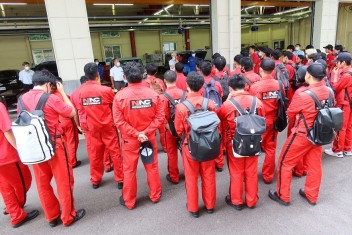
point(48, 65)
point(10, 87)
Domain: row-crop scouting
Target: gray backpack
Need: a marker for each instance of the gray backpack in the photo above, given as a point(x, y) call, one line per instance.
point(249, 130)
point(204, 139)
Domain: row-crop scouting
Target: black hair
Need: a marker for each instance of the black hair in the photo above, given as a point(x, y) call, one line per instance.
point(288, 54)
point(91, 71)
point(276, 54)
point(268, 51)
point(290, 47)
point(237, 82)
point(134, 72)
point(58, 79)
point(247, 63)
point(314, 56)
point(179, 67)
point(206, 67)
point(244, 52)
point(151, 69)
point(297, 44)
point(220, 63)
point(339, 48)
point(301, 57)
point(83, 79)
point(170, 76)
point(25, 63)
point(216, 55)
point(323, 55)
point(199, 62)
point(309, 47)
point(253, 47)
point(237, 59)
point(318, 50)
point(95, 60)
point(195, 81)
point(41, 77)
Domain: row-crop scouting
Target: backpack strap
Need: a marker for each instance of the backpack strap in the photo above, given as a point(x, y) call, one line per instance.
point(20, 104)
point(42, 101)
point(237, 106)
point(189, 106)
point(183, 97)
point(315, 98)
point(172, 101)
point(331, 97)
point(253, 106)
point(205, 104)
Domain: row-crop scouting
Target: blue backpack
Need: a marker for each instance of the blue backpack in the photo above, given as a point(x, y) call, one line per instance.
point(211, 93)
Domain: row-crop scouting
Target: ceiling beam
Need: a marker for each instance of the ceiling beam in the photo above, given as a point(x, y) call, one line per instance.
point(274, 3)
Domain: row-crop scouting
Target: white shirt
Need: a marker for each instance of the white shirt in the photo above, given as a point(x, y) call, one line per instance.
point(172, 63)
point(26, 76)
point(116, 73)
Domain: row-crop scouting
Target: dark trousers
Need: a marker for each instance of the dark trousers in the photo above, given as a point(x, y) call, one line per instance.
point(119, 85)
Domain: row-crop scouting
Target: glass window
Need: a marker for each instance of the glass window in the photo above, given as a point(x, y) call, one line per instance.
point(42, 55)
point(111, 52)
point(169, 46)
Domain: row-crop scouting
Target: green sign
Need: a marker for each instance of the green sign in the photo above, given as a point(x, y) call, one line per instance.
point(109, 34)
point(39, 37)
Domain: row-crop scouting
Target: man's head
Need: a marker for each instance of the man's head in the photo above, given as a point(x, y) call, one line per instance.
point(83, 79)
point(287, 55)
point(244, 52)
point(246, 64)
point(206, 67)
point(134, 72)
point(237, 82)
point(170, 77)
point(216, 55)
point(309, 47)
point(91, 71)
point(116, 62)
point(267, 66)
point(96, 61)
point(338, 49)
point(300, 59)
point(276, 54)
point(298, 47)
point(237, 61)
point(315, 73)
point(194, 81)
point(290, 48)
point(179, 67)
point(151, 69)
point(267, 52)
point(198, 63)
point(44, 78)
point(313, 57)
point(26, 66)
point(220, 63)
point(252, 49)
point(343, 60)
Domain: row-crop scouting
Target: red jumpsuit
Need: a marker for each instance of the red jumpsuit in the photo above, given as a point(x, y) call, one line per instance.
point(70, 131)
point(219, 162)
point(329, 60)
point(342, 141)
point(297, 146)
point(256, 62)
point(181, 81)
point(192, 168)
point(171, 141)
point(243, 171)
point(235, 71)
point(58, 166)
point(290, 66)
point(15, 178)
point(96, 101)
point(138, 109)
point(252, 77)
point(266, 90)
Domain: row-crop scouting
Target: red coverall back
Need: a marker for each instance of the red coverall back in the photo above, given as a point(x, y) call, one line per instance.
point(15, 178)
point(58, 166)
point(256, 62)
point(267, 90)
point(171, 141)
point(138, 109)
point(243, 171)
point(181, 81)
point(252, 78)
point(290, 66)
point(192, 168)
point(96, 101)
point(297, 146)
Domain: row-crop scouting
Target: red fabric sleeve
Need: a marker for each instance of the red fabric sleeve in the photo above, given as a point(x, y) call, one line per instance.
point(158, 119)
point(5, 121)
point(119, 119)
point(59, 106)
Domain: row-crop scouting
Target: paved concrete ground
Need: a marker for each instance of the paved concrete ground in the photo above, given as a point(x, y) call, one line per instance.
point(332, 214)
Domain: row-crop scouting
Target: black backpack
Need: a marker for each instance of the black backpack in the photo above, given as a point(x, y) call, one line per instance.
point(282, 102)
point(224, 84)
point(327, 122)
point(211, 93)
point(204, 138)
point(347, 95)
point(173, 103)
point(249, 129)
point(282, 76)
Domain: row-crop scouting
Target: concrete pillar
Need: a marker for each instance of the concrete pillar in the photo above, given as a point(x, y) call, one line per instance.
point(226, 28)
point(325, 23)
point(71, 40)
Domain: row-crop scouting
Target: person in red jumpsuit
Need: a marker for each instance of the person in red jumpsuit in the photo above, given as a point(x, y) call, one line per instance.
point(206, 72)
point(255, 58)
point(15, 177)
point(250, 76)
point(297, 145)
point(96, 101)
point(236, 65)
point(342, 84)
point(58, 166)
point(138, 113)
point(181, 78)
point(330, 57)
point(290, 66)
point(171, 141)
point(70, 129)
point(267, 90)
point(243, 171)
point(291, 48)
point(192, 168)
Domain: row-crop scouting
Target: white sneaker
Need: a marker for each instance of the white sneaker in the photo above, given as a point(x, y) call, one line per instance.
point(333, 154)
point(347, 154)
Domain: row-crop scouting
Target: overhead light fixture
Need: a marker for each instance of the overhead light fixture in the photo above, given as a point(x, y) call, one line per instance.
point(111, 4)
point(291, 10)
point(195, 5)
point(164, 9)
point(13, 3)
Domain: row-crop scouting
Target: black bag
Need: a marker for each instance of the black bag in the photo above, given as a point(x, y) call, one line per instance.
point(281, 120)
point(249, 129)
point(327, 122)
point(224, 84)
point(282, 76)
point(347, 95)
point(211, 93)
point(173, 103)
point(204, 139)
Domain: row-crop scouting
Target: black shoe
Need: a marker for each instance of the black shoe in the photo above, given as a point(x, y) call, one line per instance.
point(237, 207)
point(79, 215)
point(4, 211)
point(109, 169)
point(120, 185)
point(267, 182)
point(218, 169)
point(54, 222)
point(122, 202)
point(194, 214)
point(210, 211)
point(169, 179)
point(296, 175)
point(95, 186)
point(302, 193)
point(273, 195)
point(78, 163)
point(31, 215)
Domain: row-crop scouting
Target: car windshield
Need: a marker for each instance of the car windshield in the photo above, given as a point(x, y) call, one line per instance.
point(8, 76)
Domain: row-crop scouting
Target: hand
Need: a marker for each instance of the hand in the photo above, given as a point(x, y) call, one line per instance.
point(142, 137)
point(60, 87)
point(167, 126)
